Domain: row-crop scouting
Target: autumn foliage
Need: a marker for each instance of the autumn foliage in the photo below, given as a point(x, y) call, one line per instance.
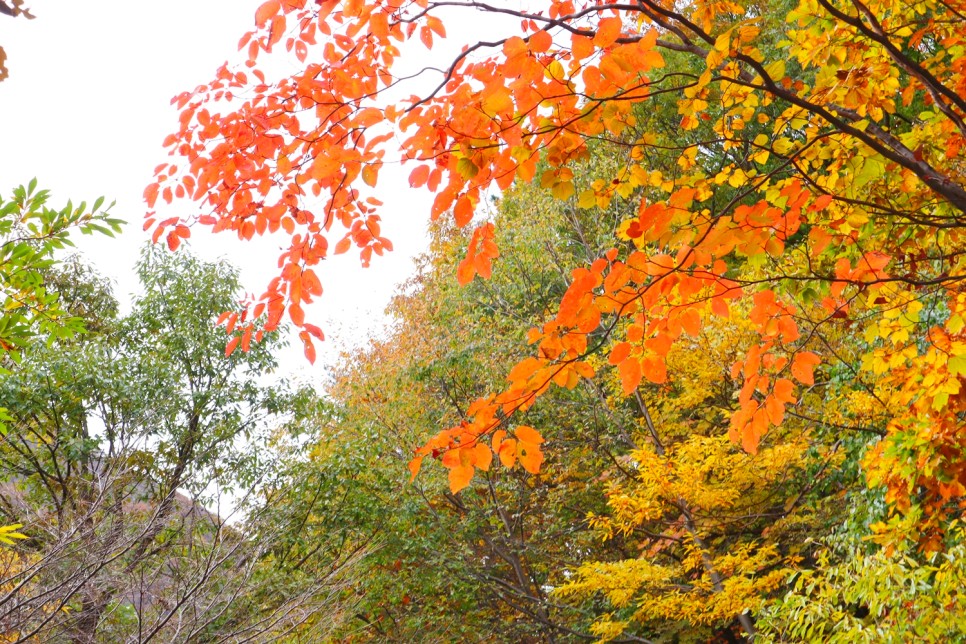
point(801, 169)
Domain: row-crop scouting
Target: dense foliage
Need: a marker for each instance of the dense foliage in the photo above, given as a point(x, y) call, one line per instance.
point(708, 387)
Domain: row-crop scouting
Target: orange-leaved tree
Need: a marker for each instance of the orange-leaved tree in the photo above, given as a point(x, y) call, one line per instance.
point(803, 156)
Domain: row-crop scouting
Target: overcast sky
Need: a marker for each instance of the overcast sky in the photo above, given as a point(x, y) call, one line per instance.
point(87, 105)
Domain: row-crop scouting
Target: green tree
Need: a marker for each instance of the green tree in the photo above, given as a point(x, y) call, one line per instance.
point(31, 234)
point(137, 456)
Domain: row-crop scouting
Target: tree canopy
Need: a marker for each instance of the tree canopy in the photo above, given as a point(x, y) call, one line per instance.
point(803, 162)
point(684, 362)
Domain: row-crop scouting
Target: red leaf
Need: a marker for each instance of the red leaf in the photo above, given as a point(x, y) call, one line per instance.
point(296, 314)
point(463, 211)
point(266, 12)
point(173, 240)
point(309, 350)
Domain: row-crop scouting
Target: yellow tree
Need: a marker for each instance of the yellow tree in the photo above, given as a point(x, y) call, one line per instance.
point(718, 530)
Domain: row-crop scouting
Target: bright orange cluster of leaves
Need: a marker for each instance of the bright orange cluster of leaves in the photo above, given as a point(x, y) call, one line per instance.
point(822, 189)
point(661, 298)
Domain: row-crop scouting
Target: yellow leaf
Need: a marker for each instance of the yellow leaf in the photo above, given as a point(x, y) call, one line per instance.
point(587, 199)
point(9, 532)
point(776, 70)
point(563, 190)
point(957, 365)
point(497, 102)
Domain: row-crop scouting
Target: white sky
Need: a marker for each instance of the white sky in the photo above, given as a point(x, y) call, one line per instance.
point(87, 105)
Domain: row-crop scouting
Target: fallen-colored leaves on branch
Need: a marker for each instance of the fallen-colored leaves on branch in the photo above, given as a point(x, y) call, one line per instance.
point(806, 161)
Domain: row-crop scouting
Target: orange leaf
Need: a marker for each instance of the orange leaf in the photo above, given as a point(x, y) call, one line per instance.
point(460, 477)
point(751, 437)
point(465, 272)
point(277, 31)
point(436, 25)
point(463, 211)
point(151, 194)
point(523, 370)
point(419, 176)
point(426, 35)
point(266, 12)
point(620, 352)
point(173, 240)
point(775, 409)
point(630, 372)
point(309, 350)
point(655, 369)
point(691, 322)
point(783, 391)
point(296, 314)
point(530, 457)
point(343, 245)
point(540, 42)
point(528, 434)
point(803, 365)
point(414, 466)
point(379, 24)
point(482, 457)
point(508, 452)
point(719, 307)
point(821, 203)
point(608, 31)
point(311, 283)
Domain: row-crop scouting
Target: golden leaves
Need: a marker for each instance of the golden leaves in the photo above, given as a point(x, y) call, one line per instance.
point(9, 533)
